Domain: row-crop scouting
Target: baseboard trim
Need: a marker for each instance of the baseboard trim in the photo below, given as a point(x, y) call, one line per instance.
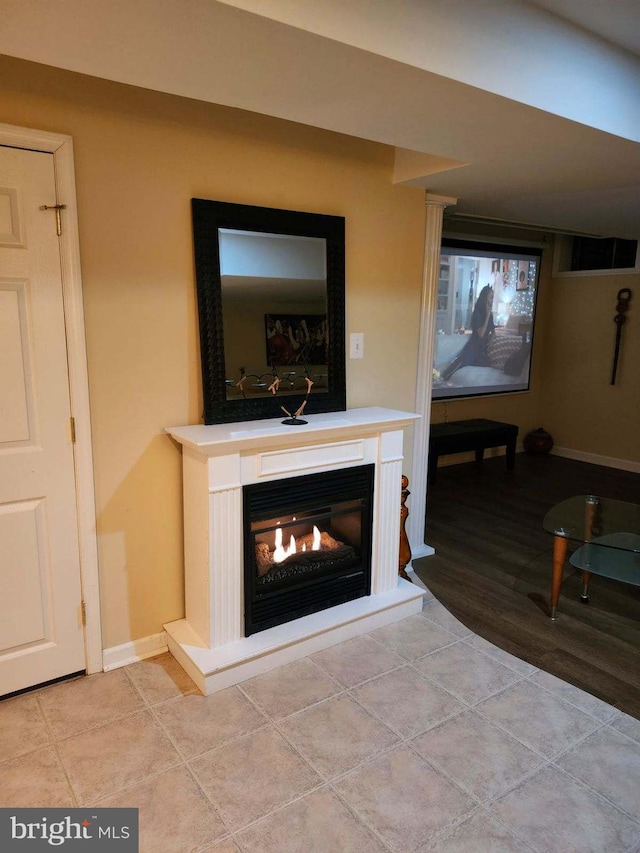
point(136, 650)
point(597, 459)
point(423, 551)
point(567, 452)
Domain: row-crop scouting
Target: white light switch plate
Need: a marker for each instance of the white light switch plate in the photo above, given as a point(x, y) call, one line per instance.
point(356, 345)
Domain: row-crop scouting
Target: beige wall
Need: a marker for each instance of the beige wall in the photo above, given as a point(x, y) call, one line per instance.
point(140, 157)
point(581, 409)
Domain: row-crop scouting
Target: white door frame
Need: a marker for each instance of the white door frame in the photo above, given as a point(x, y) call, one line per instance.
point(61, 146)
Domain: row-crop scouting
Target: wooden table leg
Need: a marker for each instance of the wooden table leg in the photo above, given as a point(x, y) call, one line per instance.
point(560, 545)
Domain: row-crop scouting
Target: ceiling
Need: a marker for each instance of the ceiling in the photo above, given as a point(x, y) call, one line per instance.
point(618, 21)
point(519, 114)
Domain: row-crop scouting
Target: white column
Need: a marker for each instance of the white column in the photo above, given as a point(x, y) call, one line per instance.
point(213, 542)
point(227, 574)
point(386, 523)
point(432, 240)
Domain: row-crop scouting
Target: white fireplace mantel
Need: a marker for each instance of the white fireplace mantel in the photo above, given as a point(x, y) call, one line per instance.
point(220, 459)
point(219, 439)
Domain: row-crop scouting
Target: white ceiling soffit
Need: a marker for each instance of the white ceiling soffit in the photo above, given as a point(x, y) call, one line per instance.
point(618, 21)
point(508, 47)
point(541, 111)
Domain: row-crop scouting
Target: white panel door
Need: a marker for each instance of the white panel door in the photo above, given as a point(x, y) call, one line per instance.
point(41, 632)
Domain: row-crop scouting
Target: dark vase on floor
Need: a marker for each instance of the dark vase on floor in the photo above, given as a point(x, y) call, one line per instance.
point(537, 441)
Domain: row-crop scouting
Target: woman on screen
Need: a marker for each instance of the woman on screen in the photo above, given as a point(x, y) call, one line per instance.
point(482, 328)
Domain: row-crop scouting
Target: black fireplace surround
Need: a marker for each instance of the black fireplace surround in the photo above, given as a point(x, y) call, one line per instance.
point(282, 584)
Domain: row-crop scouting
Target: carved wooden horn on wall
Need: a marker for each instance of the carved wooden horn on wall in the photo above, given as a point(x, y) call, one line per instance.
point(622, 306)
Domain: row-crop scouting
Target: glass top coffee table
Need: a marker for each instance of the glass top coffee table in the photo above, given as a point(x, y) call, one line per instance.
point(609, 531)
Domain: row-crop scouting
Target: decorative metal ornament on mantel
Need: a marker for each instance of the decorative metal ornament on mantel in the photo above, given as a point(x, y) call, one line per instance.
point(292, 419)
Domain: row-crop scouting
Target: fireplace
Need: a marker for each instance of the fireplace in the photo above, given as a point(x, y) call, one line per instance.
point(307, 545)
point(340, 473)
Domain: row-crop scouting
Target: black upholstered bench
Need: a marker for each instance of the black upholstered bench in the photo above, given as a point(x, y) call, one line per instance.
point(474, 434)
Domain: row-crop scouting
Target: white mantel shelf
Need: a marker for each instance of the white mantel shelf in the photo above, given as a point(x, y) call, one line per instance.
point(218, 461)
point(220, 439)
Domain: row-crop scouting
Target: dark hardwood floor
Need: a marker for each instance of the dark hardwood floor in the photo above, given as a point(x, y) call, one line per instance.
point(492, 570)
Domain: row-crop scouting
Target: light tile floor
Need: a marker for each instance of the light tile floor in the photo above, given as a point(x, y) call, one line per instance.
point(417, 737)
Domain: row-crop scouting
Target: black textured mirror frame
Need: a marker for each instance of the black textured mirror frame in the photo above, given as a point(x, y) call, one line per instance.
point(208, 217)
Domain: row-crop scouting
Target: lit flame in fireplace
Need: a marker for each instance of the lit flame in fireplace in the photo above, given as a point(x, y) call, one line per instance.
point(281, 553)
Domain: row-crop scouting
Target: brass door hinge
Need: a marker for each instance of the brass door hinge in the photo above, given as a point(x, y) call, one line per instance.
point(72, 428)
point(57, 208)
point(83, 607)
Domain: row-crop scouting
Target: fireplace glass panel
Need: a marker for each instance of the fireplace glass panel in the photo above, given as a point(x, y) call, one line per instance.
point(307, 545)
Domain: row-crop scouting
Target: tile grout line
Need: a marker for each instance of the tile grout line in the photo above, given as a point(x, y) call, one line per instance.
point(446, 830)
point(96, 727)
point(496, 659)
point(325, 671)
point(489, 800)
point(277, 809)
point(624, 734)
point(457, 696)
point(389, 648)
point(468, 632)
point(601, 796)
point(314, 704)
point(397, 731)
point(443, 772)
point(535, 749)
point(58, 740)
point(54, 743)
point(96, 802)
point(186, 759)
point(517, 668)
point(529, 845)
point(37, 747)
point(357, 816)
point(573, 704)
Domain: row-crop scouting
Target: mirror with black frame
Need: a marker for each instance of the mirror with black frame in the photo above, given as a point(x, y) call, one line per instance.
point(270, 289)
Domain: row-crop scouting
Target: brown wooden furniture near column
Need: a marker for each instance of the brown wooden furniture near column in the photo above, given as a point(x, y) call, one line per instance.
point(405, 548)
